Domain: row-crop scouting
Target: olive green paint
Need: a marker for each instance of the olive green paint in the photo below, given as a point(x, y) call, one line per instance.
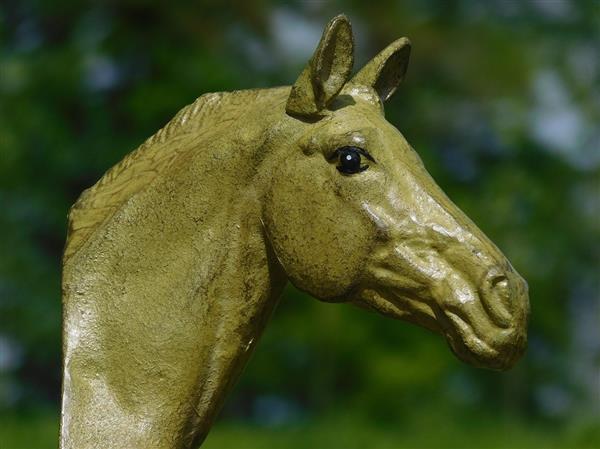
point(175, 259)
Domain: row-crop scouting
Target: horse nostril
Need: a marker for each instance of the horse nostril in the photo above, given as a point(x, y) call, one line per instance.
point(499, 281)
point(499, 288)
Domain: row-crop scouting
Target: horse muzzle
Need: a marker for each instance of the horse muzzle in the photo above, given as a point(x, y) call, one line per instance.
point(493, 333)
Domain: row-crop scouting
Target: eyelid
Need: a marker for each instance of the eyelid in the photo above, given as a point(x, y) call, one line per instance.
point(362, 151)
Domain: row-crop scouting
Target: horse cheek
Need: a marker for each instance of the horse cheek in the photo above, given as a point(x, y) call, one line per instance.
point(319, 240)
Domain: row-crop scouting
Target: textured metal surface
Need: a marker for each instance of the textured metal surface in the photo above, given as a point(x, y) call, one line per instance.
point(176, 258)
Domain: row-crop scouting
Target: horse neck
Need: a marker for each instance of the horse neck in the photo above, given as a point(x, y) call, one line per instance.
point(245, 284)
point(164, 305)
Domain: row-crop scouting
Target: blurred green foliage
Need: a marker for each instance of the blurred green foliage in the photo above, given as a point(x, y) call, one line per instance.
point(502, 102)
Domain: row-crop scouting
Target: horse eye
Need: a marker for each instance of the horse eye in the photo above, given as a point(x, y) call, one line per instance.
point(349, 159)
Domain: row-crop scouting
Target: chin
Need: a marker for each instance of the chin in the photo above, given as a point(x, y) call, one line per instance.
point(499, 355)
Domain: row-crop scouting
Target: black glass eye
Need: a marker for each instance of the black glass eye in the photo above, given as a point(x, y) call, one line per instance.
point(350, 160)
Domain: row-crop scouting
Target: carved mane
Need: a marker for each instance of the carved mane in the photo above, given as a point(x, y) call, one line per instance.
point(139, 168)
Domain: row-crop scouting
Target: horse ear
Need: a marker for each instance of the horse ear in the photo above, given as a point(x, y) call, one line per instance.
point(326, 72)
point(386, 71)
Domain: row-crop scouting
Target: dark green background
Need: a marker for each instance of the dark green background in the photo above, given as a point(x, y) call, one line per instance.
point(502, 102)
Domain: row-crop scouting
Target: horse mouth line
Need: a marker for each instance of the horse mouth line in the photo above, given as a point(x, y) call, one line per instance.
point(401, 305)
point(473, 335)
point(465, 342)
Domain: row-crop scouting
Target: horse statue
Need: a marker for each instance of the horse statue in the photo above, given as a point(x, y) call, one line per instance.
point(176, 258)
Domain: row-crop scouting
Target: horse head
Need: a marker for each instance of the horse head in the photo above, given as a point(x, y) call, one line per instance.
point(353, 216)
